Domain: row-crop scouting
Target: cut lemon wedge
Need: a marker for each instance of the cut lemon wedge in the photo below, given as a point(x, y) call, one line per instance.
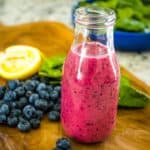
point(19, 62)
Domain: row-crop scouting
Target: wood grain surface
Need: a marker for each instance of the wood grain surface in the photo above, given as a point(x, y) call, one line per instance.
point(132, 131)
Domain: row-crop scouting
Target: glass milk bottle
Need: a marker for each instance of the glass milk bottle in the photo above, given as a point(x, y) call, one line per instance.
point(90, 83)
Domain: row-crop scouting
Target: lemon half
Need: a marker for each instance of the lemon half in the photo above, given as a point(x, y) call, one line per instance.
point(19, 62)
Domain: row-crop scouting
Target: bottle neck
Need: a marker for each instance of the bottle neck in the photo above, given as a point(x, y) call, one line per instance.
point(104, 35)
point(94, 24)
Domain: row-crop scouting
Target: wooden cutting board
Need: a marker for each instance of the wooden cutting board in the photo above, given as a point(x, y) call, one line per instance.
point(132, 131)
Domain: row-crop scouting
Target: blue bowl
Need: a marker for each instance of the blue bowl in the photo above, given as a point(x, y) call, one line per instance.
point(132, 41)
point(125, 41)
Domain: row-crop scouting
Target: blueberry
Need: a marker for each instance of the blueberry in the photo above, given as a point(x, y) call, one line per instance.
point(56, 107)
point(3, 119)
point(44, 80)
point(35, 77)
point(20, 91)
point(22, 102)
point(13, 84)
point(15, 112)
point(36, 82)
point(33, 98)
point(4, 109)
point(49, 88)
point(39, 114)
point(63, 144)
point(10, 96)
point(20, 118)
point(41, 104)
point(29, 85)
point(54, 95)
point(44, 94)
point(28, 94)
point(41, 86)
point(12, 121)
point(29, 111)
point(53, 115)
point(13, 105)
point(2, 91)
point(57, 88)
point(50, 105)
point(24, 125)
point(35, 123)
point(2, 102)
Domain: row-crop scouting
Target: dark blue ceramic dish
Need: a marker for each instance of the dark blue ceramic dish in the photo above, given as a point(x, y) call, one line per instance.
point(126, 41)
point(130, 41)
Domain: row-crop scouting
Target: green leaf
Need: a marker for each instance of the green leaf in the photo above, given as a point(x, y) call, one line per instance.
point(122, 13)
point(131, 97)
point(131, 25)
point(52, 67)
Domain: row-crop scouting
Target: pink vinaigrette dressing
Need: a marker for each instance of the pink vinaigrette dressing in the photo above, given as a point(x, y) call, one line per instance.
point(90, 83)
point(90, 93)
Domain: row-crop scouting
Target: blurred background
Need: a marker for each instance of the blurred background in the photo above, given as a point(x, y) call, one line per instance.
point(133, 20)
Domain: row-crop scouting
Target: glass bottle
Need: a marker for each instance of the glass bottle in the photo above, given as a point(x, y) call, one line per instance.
point(90, 83)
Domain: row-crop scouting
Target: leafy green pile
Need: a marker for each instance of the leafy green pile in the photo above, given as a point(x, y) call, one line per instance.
point(132, 15)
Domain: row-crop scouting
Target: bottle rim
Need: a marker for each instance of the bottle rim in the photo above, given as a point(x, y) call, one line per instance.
point(95, 17)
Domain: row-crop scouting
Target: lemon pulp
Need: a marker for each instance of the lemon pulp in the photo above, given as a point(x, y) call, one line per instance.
point(20, 62)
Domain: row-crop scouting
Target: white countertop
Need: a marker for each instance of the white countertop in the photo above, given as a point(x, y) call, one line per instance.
point(21, 11)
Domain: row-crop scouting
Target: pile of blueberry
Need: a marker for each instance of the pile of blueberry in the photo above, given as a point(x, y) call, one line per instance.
point(63, 144)
point(23, 103)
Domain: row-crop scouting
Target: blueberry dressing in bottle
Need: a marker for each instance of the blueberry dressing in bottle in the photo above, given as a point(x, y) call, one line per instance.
point(90, 84)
